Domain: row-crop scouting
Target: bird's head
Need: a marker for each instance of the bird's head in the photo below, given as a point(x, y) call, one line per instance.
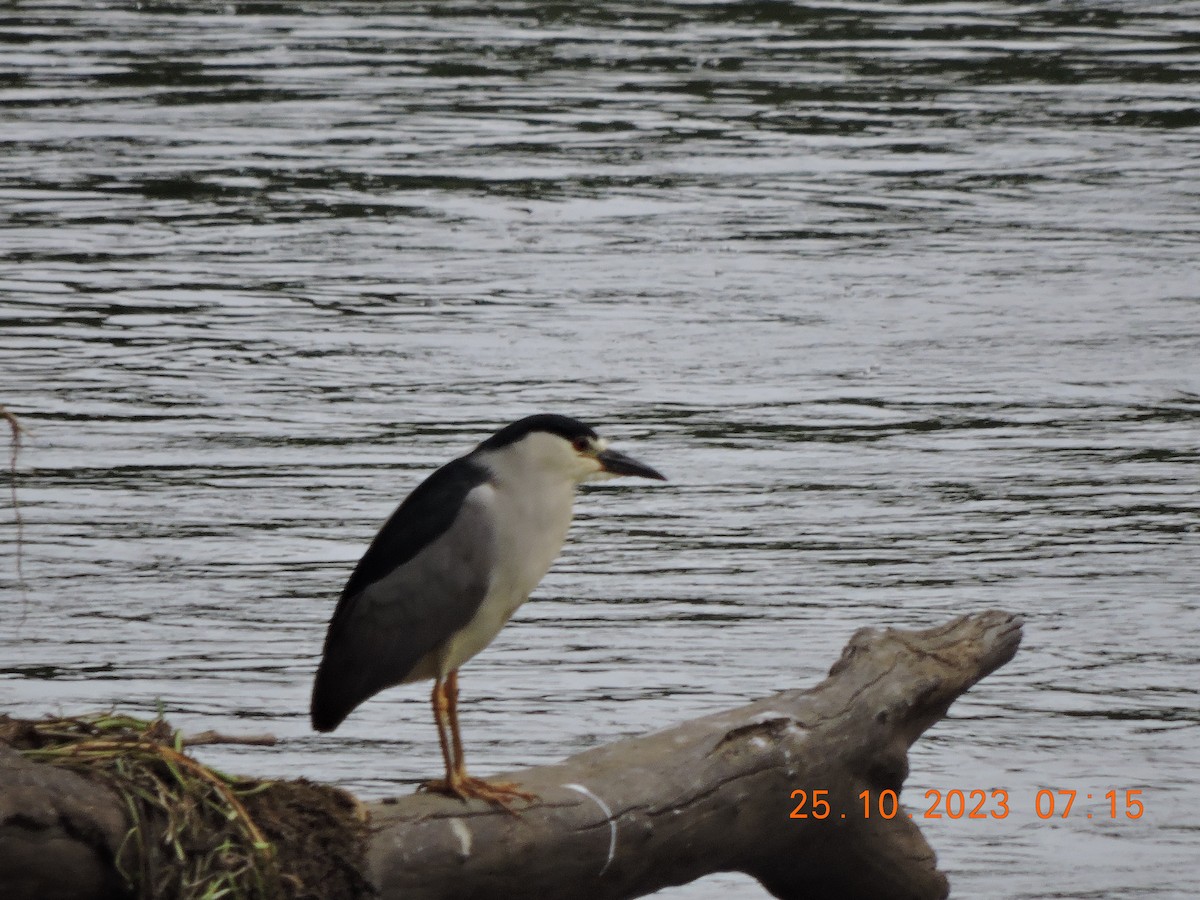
point(558, 444)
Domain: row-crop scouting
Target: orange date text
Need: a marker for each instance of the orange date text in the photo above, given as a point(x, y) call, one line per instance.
point(960, 803)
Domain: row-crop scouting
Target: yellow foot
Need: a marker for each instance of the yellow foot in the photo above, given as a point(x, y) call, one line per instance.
point(466, 787)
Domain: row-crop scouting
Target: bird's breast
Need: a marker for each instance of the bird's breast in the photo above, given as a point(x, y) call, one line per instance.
point(531, 526)
point(529, 532)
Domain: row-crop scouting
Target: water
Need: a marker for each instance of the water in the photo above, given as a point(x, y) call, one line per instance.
point(904, 298)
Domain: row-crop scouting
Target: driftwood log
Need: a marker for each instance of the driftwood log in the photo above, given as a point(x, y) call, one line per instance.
point(626, 819)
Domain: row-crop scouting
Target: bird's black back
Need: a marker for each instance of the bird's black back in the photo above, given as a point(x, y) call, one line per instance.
point(424, 516)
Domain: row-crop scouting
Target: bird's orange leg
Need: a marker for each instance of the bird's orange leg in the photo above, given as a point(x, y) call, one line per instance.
point(502, 792)
point(457, 781)
point(441, 707)
point(460, 759)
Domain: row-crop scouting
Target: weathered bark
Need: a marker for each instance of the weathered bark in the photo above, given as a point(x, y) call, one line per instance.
point(59, 833)
point(712, 794)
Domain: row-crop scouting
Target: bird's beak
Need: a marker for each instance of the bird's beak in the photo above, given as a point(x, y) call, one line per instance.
point(617, 463)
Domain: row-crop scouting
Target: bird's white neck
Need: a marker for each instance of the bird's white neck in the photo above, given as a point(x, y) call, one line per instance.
point(533, 508)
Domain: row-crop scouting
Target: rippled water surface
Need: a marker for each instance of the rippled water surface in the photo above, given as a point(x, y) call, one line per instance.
point(903, 297)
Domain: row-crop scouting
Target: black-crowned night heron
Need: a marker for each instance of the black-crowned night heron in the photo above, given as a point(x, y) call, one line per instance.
point(449, 568)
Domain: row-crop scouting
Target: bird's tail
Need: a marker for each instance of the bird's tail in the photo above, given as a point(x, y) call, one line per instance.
point(331, 702)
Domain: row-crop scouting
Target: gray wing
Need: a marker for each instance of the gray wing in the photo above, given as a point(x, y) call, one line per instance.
point(384, 630)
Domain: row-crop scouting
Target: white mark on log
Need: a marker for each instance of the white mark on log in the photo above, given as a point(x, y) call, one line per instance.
point(608, 817)
point(771, 717)
point(463, 833)
point(790, 725)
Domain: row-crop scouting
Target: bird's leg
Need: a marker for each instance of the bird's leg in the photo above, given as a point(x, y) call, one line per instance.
point(441, 707)
point(460, 758)
point(458, 782)
point(502, 792)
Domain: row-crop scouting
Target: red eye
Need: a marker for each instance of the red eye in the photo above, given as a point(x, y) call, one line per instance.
point(580, 444)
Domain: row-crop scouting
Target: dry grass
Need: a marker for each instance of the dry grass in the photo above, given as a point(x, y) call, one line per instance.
point(196, 833)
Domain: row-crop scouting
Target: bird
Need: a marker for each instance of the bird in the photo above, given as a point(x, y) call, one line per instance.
point(448, 569)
